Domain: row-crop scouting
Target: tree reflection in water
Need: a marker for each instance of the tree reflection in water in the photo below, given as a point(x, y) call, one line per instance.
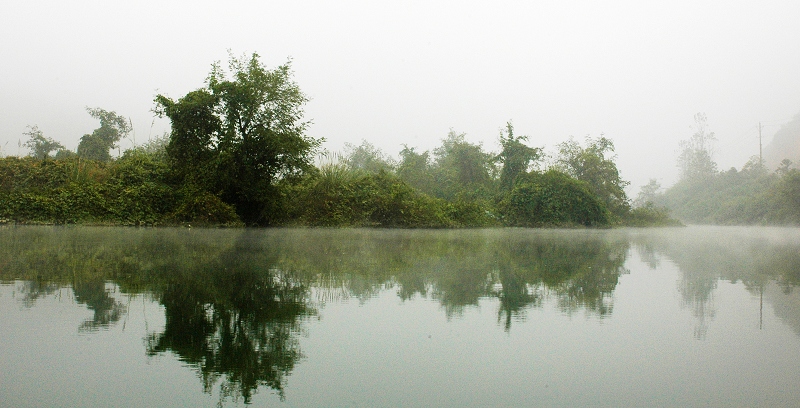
point(236, 301)
point(706, 255)
point(230, 312)
point(95, 295)
point(236, 319)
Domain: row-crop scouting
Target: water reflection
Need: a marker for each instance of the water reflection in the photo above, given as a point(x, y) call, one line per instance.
point(235, 317)
point(756, 257)
point(236, 302)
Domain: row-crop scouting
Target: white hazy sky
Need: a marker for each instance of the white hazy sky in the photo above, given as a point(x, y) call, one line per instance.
point(406, 72)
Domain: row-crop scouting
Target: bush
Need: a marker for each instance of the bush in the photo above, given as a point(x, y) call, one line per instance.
point(552, 199)
point(650, 216)
point(204, 208)
point(342, 197)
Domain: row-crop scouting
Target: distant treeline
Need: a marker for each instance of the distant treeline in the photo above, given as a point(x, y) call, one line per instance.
point(753, 195)
point(238, 155)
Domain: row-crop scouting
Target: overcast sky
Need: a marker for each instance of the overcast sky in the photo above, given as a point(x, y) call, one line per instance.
point(396, 73)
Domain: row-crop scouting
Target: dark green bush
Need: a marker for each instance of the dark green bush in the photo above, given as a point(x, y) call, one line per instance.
point(553, 199)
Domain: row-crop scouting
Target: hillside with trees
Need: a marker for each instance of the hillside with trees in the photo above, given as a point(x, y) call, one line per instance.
point(752, 195)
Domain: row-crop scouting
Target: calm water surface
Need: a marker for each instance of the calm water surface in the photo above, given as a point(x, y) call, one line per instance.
point(698, 316)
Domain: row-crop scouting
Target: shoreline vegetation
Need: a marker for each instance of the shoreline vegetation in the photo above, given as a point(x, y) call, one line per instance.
point(139, 189)
point(238, 155)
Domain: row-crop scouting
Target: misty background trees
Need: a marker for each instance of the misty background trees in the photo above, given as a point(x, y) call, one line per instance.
point(750, 195)
point(39, 145)
point(695, 160)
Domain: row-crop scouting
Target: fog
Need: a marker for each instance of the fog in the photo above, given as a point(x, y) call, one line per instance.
point(407, 72)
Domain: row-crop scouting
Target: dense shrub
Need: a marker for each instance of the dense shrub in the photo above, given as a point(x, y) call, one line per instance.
point(649, 216)
point(204, 208)
point(553, 199)
point(341, 197)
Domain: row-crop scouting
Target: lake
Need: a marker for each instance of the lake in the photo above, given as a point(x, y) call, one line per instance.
point(127, 317)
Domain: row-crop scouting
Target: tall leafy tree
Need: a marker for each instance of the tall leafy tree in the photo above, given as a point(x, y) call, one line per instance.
point(416, 169)
point(368, 158)
point(97, 145)
point(516, 157)
point(39, 145)
point(240, 136)
point(462, 167)
point(595, 165)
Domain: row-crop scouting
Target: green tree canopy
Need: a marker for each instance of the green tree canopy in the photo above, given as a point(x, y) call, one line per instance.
point(516, 157)
point(39, 145)
point(553, 198)
point(97, 145)
point(595, 165)
point(368, 158)
point(240, 136)
point(461, 166)
point(415, 169)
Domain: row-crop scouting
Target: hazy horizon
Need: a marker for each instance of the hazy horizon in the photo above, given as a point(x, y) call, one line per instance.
point(406, 73)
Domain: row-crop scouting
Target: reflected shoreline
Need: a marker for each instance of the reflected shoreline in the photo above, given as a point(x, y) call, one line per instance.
point(236, 301)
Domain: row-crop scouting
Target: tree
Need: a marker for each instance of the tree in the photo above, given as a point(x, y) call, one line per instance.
point(241, 137)
point(416, 170)
point(39, 145)
point(647, 194)
point(368, 158)
point(97, 145)
point(516, 157)
point(461, 167)
point(553, 198)
point(695, 160)
point(591, 165)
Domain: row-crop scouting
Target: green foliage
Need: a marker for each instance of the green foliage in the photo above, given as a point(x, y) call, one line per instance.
point(138, 190)
point(396, 204)
point(63, 154)
point(241, 136)
point(749, 196)
point(339, 196)
point(328, 199)
point(416, 170)
point(96, 146)
point(784, 199)
point(133, 190)
point(467, 210)
point(648, 215)
point(368, 158)
point(39, 145)
point(203, 208)
point(553, 198)
point(594, 165)
point(728, 198)
point(460, 166)
point(516, 157)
